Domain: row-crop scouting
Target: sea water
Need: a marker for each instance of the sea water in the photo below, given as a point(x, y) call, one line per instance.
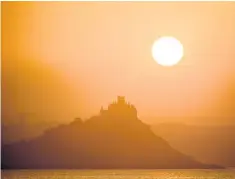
point(119, 174)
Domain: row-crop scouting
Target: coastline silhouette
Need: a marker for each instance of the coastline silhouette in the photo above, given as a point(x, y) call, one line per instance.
point(114, 139)
point(219, 139)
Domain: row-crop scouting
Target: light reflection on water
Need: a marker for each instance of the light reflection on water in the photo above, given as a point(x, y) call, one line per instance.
point(118, 174)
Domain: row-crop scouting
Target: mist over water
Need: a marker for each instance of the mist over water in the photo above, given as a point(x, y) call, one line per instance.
point(119, 174)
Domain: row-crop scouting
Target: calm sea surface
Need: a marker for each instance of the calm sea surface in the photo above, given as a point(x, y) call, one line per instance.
point(119, 174)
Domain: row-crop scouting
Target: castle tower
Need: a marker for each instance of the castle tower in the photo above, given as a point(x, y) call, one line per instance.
point(121, 100)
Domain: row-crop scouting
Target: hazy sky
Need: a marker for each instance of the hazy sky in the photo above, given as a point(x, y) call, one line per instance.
point(61, 60)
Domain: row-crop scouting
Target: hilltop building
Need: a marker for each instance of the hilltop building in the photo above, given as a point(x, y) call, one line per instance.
point(120, 108)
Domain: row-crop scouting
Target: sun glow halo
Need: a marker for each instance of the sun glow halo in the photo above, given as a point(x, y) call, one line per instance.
point(167, 51)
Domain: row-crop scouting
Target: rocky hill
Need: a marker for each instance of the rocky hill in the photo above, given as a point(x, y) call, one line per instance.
point(115, 139)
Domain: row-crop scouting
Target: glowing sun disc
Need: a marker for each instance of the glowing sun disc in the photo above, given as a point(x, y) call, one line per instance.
point(167, 51)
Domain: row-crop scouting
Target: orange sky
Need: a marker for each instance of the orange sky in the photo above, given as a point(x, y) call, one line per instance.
point(61, 60)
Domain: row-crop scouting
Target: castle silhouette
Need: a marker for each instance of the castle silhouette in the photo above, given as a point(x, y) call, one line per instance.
point(119, 108)
point(114, 139)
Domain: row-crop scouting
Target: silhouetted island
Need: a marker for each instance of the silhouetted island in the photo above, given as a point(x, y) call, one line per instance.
point(114, 139)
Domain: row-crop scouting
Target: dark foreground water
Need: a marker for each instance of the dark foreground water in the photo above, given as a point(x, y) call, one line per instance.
point(118, 174)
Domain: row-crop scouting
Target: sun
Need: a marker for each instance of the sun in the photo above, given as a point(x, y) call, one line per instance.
point(167, 51)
